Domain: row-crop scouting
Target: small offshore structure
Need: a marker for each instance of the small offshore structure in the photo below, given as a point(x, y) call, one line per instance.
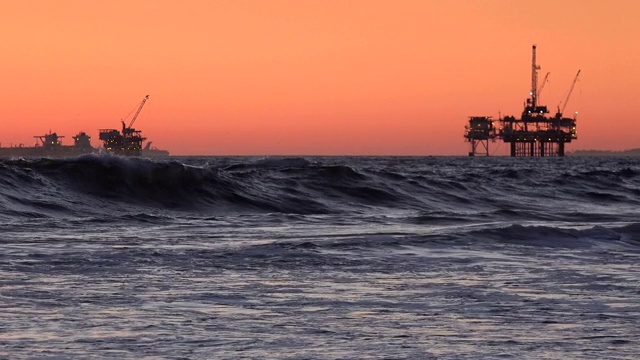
point(479, 132)
point(50, 145)
point(129, 141)
point(534, 133)
point(50, 142)
point(82, 142)
point(149, 151)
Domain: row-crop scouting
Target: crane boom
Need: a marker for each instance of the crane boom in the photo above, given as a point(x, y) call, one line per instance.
point(544, 81)
point(138, 112)
point(570, 91)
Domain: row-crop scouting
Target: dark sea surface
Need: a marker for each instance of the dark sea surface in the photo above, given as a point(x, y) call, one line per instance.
point(320, 257)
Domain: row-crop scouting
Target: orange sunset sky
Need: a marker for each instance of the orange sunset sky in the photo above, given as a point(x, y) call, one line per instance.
point(314, 77)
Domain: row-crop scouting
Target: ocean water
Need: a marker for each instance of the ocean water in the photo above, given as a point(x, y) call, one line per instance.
point(320, 257)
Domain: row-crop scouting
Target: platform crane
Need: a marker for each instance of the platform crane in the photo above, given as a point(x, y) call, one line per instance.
point(564, 105)
point(135, 116)
point(127, 142)
point(544, 81)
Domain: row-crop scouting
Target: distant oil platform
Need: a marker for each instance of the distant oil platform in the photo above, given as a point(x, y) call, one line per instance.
point(534, 133)
point(127, 142)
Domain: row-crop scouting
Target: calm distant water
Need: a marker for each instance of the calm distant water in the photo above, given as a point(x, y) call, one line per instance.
point(336, 258)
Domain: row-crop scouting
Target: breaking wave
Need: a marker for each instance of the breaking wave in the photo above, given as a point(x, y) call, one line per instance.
point(432, 190)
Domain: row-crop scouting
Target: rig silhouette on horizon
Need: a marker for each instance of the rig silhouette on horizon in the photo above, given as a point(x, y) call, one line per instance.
point(534, 134)
point(127, 142)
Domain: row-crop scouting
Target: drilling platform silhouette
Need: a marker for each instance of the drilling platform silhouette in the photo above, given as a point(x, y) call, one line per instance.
point(534, 133)
point(127, 142)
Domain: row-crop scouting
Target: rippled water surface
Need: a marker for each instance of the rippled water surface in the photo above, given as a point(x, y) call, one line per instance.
point(340, 258)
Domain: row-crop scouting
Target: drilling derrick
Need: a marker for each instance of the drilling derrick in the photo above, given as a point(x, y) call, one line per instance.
point(535, 133)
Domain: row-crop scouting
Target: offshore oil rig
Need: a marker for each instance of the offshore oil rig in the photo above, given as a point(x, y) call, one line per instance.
point(127, 142)
point(51, 143)
point(534, 133)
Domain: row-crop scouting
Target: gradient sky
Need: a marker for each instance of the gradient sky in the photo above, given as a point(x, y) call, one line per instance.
point(303, 77)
